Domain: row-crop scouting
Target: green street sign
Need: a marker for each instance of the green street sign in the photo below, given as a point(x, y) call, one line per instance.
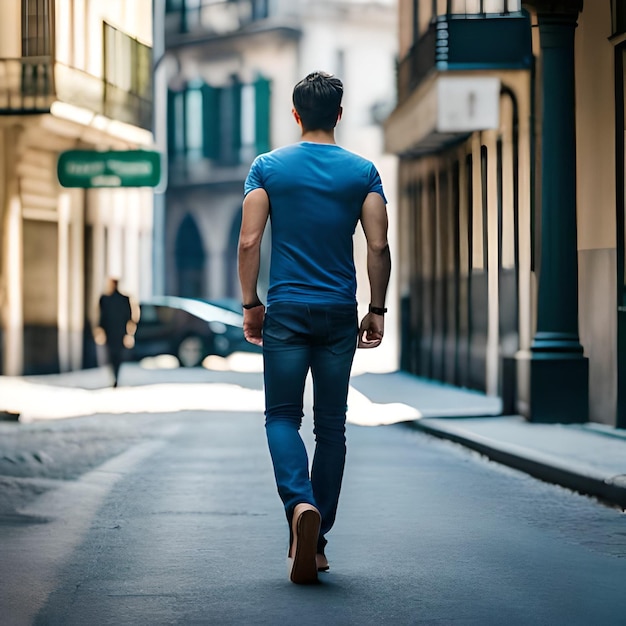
point(113, 168)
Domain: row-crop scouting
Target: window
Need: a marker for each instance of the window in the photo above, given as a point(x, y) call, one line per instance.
point(176, 122)
point(192, 14)
point(618, 16)
point(229, 125)
point(219, 16)
point(193, 124)
point(127, 76)
point(127, 63)
point(36, 73)
point(36, 21)
point(230, 128)
point(259, 9)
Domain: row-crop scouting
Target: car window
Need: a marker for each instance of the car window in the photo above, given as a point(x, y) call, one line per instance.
point(148, 314)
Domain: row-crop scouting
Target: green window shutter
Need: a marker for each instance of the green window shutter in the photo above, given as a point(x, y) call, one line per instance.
point(171, 122)
point(262, 92)
point(236, 120)
point(182, 119)
point(211, 120)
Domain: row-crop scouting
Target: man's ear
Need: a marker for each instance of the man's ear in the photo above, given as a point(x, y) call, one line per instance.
point(340, 113)
point(296, 117)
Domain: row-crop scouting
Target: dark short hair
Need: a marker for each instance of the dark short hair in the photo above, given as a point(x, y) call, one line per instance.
point(317, 99)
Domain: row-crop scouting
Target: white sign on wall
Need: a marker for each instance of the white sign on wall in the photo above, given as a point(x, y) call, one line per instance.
point(467, 104)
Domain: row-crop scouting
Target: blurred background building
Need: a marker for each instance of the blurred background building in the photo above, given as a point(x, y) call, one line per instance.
point(506, 129)
point(225, 83)
point(510, 132)
point(73, 74)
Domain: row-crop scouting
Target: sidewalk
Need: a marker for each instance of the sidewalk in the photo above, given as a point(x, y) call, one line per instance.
point(588, 458)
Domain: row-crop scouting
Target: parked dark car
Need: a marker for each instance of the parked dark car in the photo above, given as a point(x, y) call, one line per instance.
point(188, 329)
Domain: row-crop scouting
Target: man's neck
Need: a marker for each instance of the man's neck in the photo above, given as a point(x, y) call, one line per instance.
point(319, 136)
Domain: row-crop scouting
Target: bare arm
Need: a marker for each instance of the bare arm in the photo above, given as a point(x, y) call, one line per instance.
point(256, 208)
point(375, 224)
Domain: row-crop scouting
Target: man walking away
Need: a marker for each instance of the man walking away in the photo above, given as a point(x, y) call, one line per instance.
point(314, 194)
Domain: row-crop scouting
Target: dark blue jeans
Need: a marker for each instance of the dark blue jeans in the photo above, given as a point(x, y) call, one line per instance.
point(298, 338)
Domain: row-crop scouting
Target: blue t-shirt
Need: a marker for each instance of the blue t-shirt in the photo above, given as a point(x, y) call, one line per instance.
point(316, 191)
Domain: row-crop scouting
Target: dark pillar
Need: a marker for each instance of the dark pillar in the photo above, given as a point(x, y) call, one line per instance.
point(559, 373)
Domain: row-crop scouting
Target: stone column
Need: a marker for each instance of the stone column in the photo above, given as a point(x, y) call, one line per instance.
point(11, 256)
point(559, 377)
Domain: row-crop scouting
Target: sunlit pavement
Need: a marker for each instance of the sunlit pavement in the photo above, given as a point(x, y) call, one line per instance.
point(161, 509)
point(159, 386)
point(588, 458)
point(184, 526)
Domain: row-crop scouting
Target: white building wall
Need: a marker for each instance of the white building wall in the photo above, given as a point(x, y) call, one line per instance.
point(11, 29)
point(357, 41)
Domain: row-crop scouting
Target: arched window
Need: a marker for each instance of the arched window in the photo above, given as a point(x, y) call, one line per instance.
point(190, 258)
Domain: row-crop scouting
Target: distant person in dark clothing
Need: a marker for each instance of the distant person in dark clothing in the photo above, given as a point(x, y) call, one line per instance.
point(117, 324)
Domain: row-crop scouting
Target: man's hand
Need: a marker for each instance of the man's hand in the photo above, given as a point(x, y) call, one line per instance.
point(99, 335)
point(253, 324)
point(371, 331)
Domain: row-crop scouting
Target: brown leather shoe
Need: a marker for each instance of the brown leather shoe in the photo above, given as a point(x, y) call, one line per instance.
point(305, 527)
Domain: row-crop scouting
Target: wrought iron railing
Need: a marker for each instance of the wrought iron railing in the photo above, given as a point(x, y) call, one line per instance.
point(26, 85)
point(414, 67)
point(216, 16)
point(459, 42)
point(32, 84)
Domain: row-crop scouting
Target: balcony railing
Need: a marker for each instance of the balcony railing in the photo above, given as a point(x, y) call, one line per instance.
point(416, 64)
point(31, 84)
point(26, 85)
point(466, 43)
point(476, 7)
point(215, 16)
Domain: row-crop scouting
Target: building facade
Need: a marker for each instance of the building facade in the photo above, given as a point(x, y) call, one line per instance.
point(229, 69)
point(74, 74)
point(510, 133)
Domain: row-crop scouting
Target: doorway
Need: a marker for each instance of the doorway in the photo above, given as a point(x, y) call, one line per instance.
point(190, 260)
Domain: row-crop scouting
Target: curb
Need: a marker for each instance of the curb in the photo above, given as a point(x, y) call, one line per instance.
point(584, 480)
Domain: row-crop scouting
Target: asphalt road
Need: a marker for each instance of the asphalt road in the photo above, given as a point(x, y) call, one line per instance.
point(185, 527)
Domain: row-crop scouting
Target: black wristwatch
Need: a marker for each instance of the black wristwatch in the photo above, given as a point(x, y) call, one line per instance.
point(377, 310)
point(254, 305)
